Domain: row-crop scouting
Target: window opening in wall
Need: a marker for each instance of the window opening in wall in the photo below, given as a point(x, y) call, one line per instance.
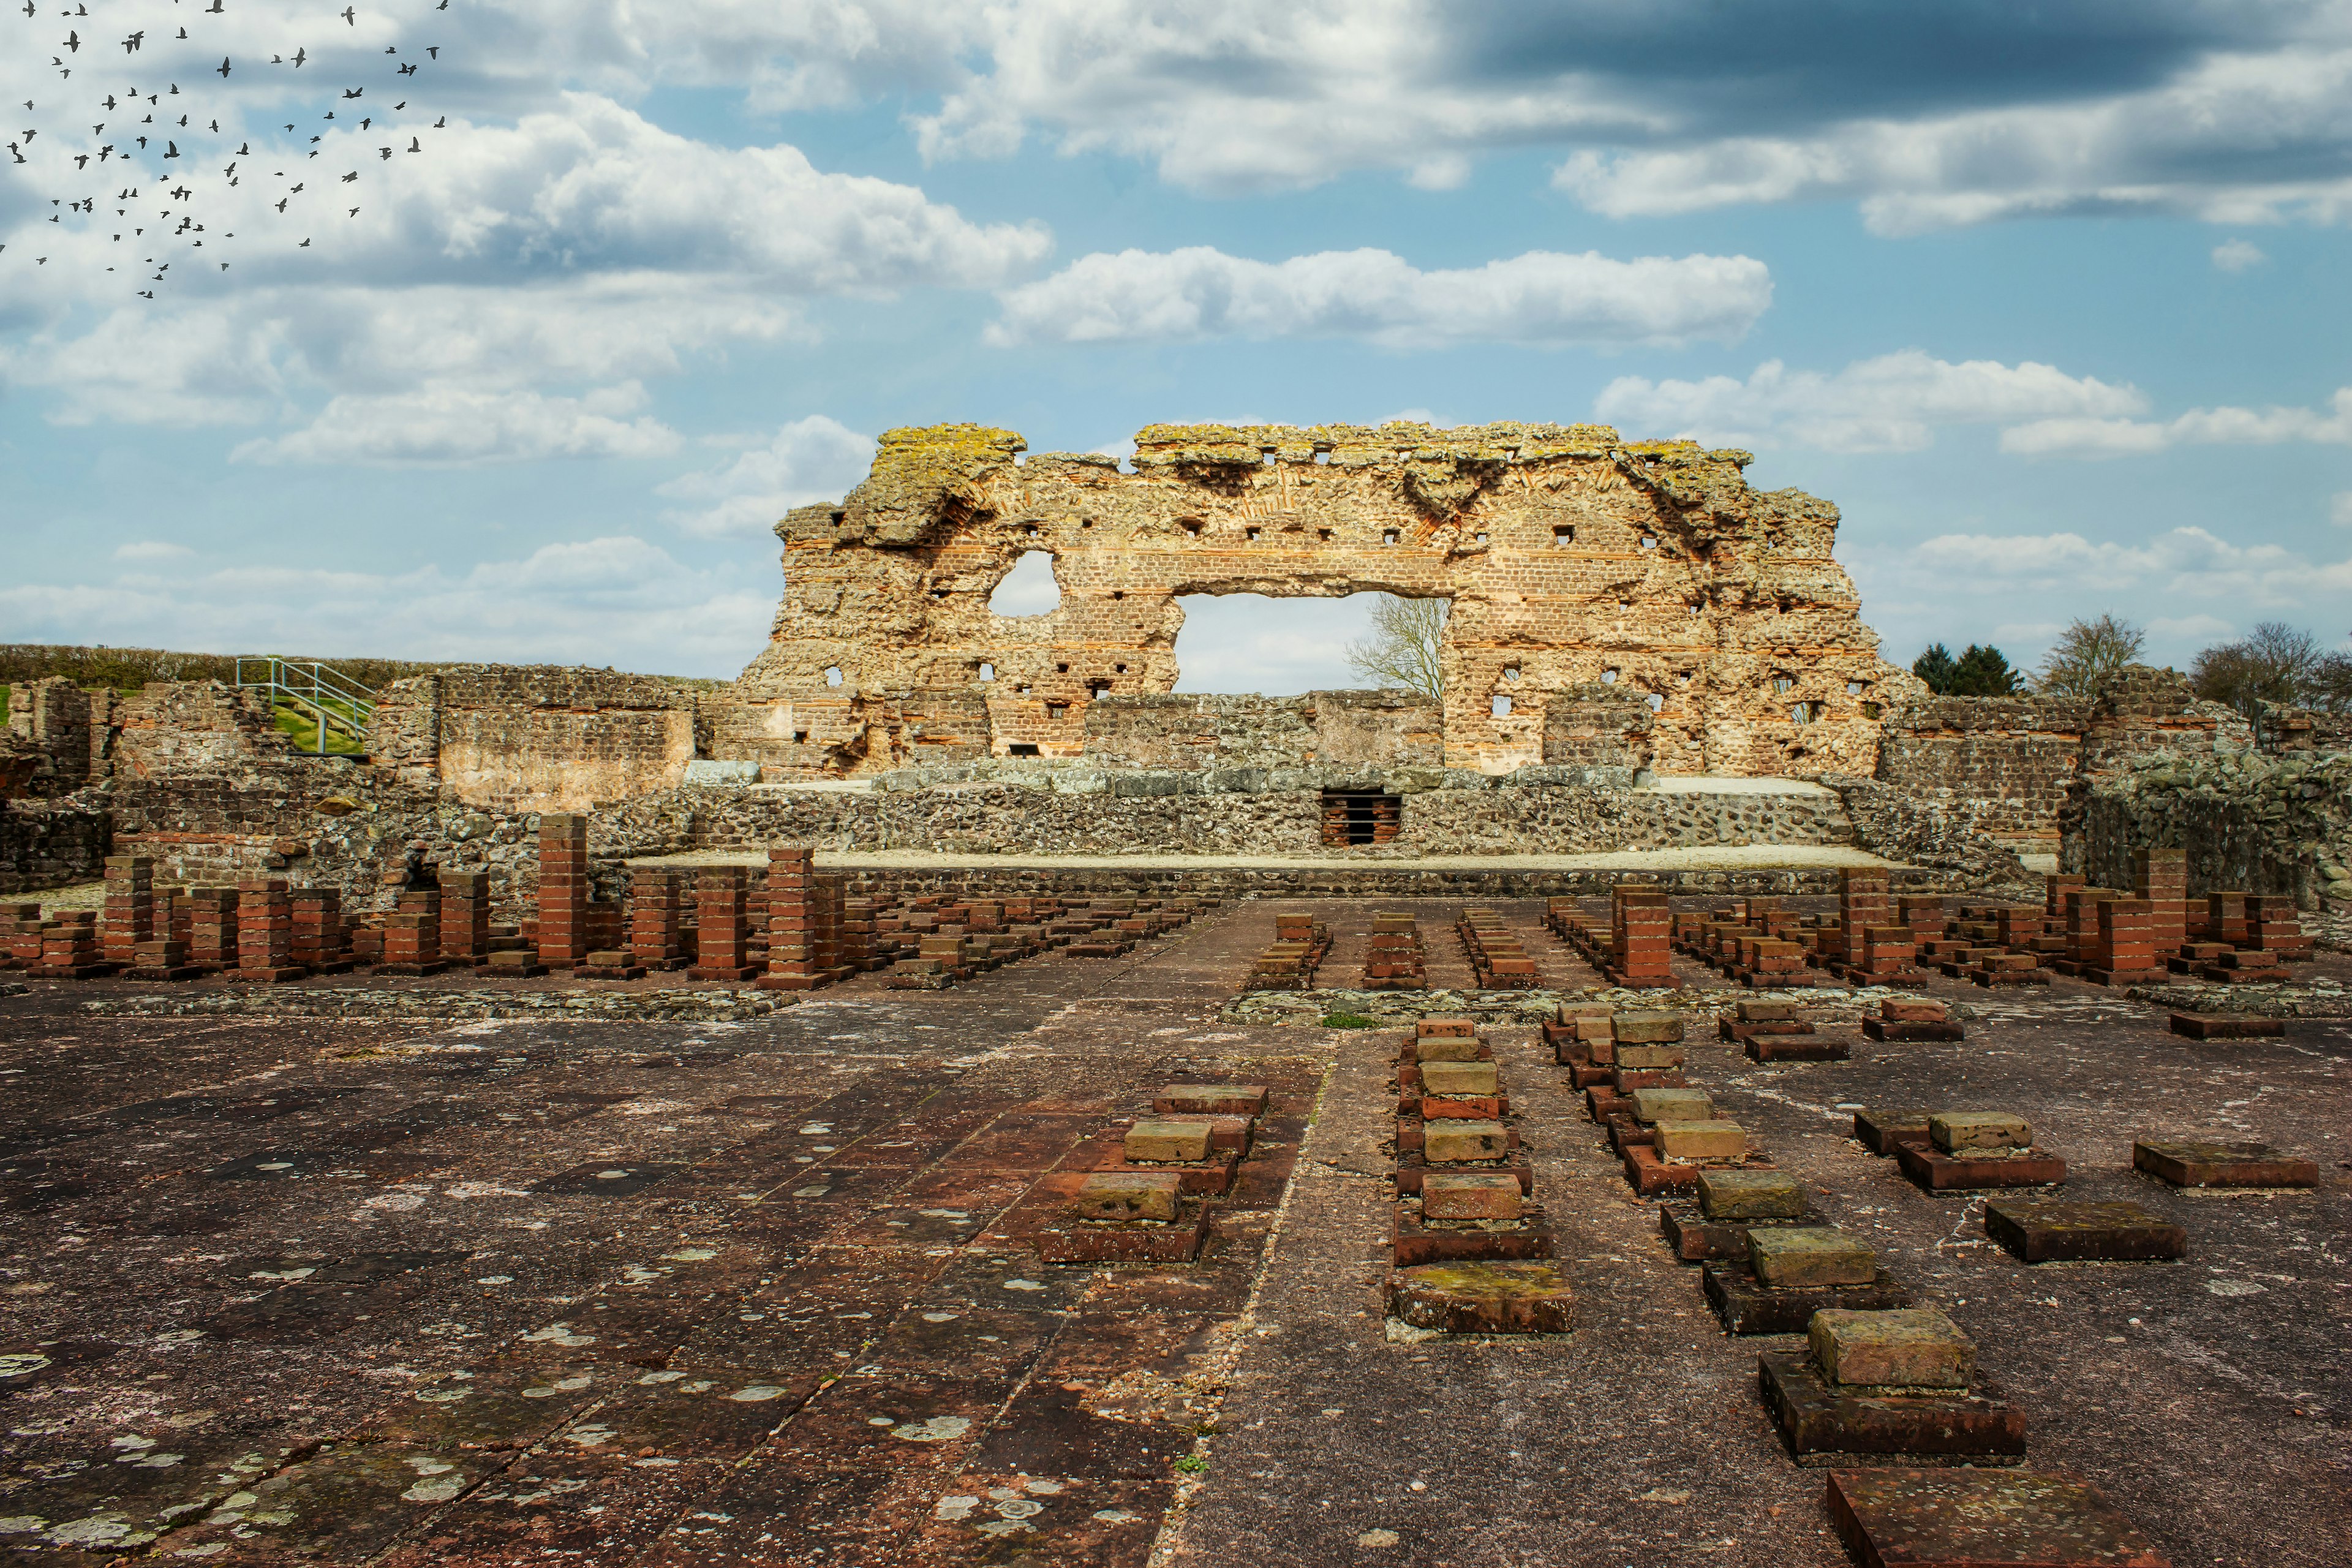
point(1358, 816)
point(1322, 454)
point(1563, 534)
point(1786, 605)
point(1511, 672)
point(1057, 710)
point(1119, 592)
point(1250, 535)
point(1021, 749)
point(799, 737)
point(1288, 645)
point(833, 675)
point(1061, 669)
point(1098, 689)
point(1685, 677)
point(1783, 684)
point(839, 518)
point(1608, 678)
point(988, 672)
point(1031, 588)
point(1804, 712)
point(1086, 522)
point(1265, 456)
point(1502, 705)
point(1697, 606)
point(1657, 702)
point(941, 593)
point(1871, 709)
point(1030, 529)
point(1323, 534)
point(1480, 538)
point(1191, 525)
point(1120, 668)
point(1389, 536)
point(1854, 689)
point(1649, 541)
point(1021, 690)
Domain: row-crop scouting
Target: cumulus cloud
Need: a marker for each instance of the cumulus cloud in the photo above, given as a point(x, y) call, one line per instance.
point(810, 460)
point(2236, 113)
point(2094, 438)
point(1542, 298)
point(444, 424)
point(1891, 404)
point(2238, 255)
point(617, 600)
point(2186, 563)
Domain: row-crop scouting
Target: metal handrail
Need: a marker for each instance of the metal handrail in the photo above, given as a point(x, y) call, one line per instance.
point(330, 695)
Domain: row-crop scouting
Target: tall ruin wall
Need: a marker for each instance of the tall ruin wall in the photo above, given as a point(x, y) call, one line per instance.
point(1570, 559)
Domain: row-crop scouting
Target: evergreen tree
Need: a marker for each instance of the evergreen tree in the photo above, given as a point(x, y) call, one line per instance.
point(1981, 671)
point(1937, 668)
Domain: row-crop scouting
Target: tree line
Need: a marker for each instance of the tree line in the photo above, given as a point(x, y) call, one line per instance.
point(2272, 663)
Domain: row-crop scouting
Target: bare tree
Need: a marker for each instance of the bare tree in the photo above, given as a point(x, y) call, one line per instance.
point(2087, 654)
point(2274, 663)
point(1404, 645)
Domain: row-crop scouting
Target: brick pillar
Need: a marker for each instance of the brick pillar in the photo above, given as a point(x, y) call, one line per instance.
point(794, 922)
point(130, 906)
point(2083, 923)
point(858, 933)
point(1863, 904)
point(2126, 947)
point(2054, 889)
point(464, 918)
point(2161, 877)
point(212, 928)
point(411, 934)
point(1641, 929)
point(832, 894)
point(20, 935)
point(2225, 917)
point(264, 932)
point(562, 937)
point(721, 924)
point(320, 945)
point(70, 948)
point(656, 900)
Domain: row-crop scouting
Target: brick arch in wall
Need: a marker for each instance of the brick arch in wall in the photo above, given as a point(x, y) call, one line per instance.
point(1568, 555)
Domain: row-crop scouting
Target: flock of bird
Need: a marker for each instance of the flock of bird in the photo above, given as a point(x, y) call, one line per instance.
point(153, 146)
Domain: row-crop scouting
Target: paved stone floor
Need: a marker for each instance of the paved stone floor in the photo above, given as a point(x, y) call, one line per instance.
point(319, 1291)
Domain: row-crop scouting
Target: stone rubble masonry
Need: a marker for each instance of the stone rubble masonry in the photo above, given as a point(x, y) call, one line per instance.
point(1570, 558)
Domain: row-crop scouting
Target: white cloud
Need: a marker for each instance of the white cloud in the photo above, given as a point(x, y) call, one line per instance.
point(2094, 438)
point(1540, 298)
point(444, 424)
point(2187, 563)
point(151, 550)
point(2212, 140)
point(1894, 403)
point(617, 600)
point(810, 459)
point(2238, 255)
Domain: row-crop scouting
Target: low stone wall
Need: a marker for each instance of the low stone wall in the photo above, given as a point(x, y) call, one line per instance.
point(2249, 823)
point(1395, 881)
point(2000, 765)
point(536, 739)
point(53, 843)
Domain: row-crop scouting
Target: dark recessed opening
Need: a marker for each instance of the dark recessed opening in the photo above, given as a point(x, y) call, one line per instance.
point(1021, 749)
point(799, 737)
point(1359, 816)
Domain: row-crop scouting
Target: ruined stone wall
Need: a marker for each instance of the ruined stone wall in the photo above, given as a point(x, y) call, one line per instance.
point(1570, 558)
point(538, 738)
point(1599, 726)
point(56, 747)
point(2249, 823)
point(1390, 729)
point(2001, 765)
point(53, 841)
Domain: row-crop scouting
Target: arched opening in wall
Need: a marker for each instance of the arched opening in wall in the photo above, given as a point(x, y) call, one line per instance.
point(1030, 588)
point(833, 675)
point(1284, 647)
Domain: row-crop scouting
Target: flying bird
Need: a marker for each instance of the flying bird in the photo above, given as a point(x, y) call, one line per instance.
point(223, 67)
point(131, 45)
point(434, 49)
point(353, 92)
point(73, 39)
point(347, 16)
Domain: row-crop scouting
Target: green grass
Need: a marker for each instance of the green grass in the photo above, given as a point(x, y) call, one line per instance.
point(1350, 1021)
point(296, 721)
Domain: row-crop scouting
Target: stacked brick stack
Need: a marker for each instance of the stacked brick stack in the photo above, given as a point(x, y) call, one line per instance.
point(319, 943)
point(1143, 1191)
point(1876, 951)
point(2241, 930)
point(723, 924)
point(2126, 952)
point(1912, 1021)
point(1496, 955)
point(563, 884)
point(20, 935)
point(1462, 1191)
point(465, 918)
point(1289, 962)
point(1641, 945)
point(2272, 925)
point(1582, 1040)
point(1996, 945)
point(1773, 1032)
point(212, 928)
point(411, 934)
point(2082, 928)
point(940, 958)
point(265, 932)
point(793, 962)
point(129, 908)
point(71, 947)
point(1393, 958)
point(657, 909)
point(2161, 877)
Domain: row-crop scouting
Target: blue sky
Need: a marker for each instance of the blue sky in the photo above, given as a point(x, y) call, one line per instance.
point(2050, 302)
